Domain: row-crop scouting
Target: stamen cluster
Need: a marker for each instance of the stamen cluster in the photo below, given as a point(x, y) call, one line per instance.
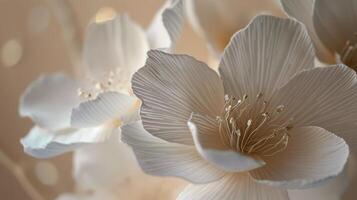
point(247, 128)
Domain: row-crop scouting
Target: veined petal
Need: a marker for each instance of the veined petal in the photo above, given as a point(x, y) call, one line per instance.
point(302, 10)
point(166, 26)
point(171, 87)
point(208, 143)
point(312, 156)
point(41, 143)
point(238, 186)
point(48, 101)
point(106, 107)
point(264, 56)
point(335, 22)
point(325, 97)
point(161, 158)
point(217, 21)
point(117, 45)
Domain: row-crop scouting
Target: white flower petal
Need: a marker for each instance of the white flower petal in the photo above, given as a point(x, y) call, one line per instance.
point(166, 26)
point(117, 44)
point(313, 155)
point(48, 101)
point(105, 164)
point(41, 143)
point(233, 187)
point(302, 10)
point(171, 87)
point(106, 107)
point(324, 97)
point(335, 22)
point(208, 143)
point(161, 158)
point(217, 21)
point(264, 56)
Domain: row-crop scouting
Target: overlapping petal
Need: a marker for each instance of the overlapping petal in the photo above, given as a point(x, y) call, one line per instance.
point(162, 158)
point(171, 87)
point(312, 156)
point(49, 100)
point(233, 187)
point(264, 56)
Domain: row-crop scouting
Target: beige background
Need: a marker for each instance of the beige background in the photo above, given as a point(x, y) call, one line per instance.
point(36, 27)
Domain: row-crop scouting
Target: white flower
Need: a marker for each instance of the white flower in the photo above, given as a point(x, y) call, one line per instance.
point(66, 117)
point(217, 21)
point(331, 25)
point(109, 171)
point(269, 123)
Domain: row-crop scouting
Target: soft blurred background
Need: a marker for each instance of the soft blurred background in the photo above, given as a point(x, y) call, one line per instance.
point(44, 36)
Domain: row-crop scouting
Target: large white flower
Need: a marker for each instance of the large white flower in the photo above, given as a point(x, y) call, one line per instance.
point(217, 21)
point(270, 122)
point(332, 26)
point(66, 117)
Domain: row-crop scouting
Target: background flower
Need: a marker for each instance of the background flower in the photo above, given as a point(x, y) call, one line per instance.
point(331, 25)
point(113, 50)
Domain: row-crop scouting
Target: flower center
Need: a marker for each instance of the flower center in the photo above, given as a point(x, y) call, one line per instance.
point(348, 55)
point(247, 128)
point(114, 82)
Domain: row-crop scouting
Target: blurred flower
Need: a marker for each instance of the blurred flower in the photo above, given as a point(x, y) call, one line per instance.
point(266, 126)
point(109, 171)
point(217, 21)
point(67, 117)
point(331, 25)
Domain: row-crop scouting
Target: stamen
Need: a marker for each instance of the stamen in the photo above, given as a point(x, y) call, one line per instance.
point(244, 126)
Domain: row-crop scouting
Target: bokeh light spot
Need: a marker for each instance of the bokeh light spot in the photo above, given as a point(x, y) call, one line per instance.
point(11, 52)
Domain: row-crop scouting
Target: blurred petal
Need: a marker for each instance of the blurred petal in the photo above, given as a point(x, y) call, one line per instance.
point(48, 101)
point(335, 22)
point(115, 45)
point(217, 21)
point(325, 97)
point(171, 87)
point(105, 164)
point(233, 187)
point(313, 155)
point(41, 143)
point(208, 143)
point(106, 107)
point(161, 158)
point(264, 56)
point(302, 10)
point(166, 26)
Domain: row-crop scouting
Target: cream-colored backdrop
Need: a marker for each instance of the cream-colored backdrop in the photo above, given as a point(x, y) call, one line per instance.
point(36, 38)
